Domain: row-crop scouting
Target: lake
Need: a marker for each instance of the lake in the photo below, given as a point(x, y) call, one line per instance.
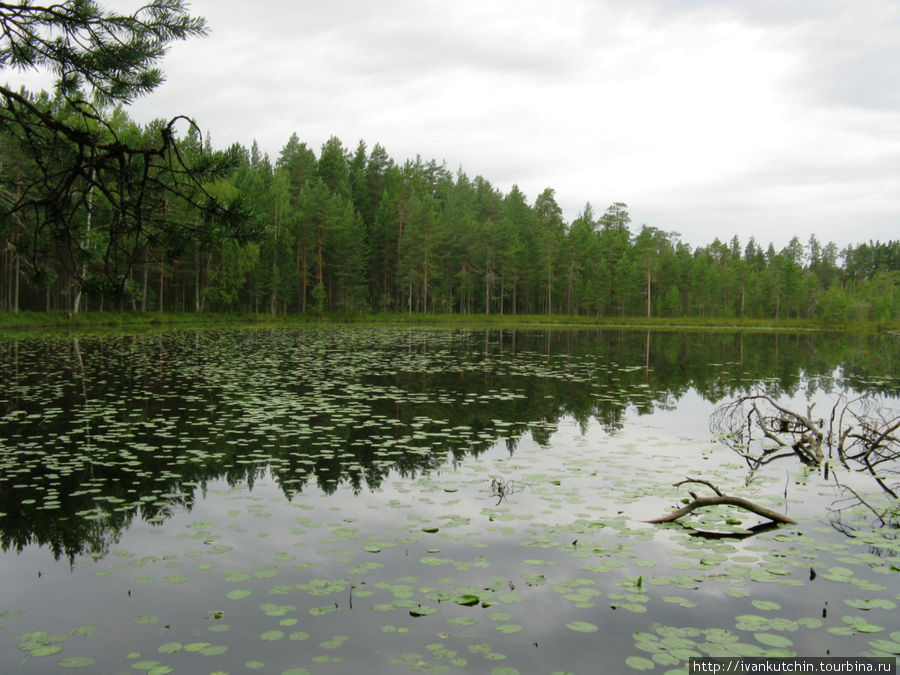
point(336, 500)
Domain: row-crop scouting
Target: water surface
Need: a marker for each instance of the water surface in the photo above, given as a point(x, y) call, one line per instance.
point(326, 500)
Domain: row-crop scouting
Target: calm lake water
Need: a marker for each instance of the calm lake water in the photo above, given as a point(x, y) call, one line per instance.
point(382, 500)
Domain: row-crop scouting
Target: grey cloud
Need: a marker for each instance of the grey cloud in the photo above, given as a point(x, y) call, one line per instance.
point(848, 52)
point(765, 12)
point(445, 42)
point(869, 78)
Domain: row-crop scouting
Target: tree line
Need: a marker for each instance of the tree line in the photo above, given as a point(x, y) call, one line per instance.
point(356, 231)
point(99, 213)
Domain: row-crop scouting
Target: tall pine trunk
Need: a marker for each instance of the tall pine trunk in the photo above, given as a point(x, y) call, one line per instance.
point(425, 279)
point(549, 282)
point(76, 303)
point(162, 280)
point(197, 281)
point(144, 281)
point(16, 273)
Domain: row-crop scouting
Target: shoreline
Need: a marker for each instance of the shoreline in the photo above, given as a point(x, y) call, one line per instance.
point(90, 321)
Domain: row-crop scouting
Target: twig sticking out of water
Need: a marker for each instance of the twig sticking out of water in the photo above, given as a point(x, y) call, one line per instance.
point(503, 488)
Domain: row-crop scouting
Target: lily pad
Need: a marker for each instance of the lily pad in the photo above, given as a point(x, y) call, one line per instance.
point(146, 620)
point(640, 663)
point(467, 600)
point(773, 640)
point(76, 662)
point(887, 646)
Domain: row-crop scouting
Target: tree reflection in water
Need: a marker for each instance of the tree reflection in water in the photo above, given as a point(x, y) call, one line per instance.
point(98, 431)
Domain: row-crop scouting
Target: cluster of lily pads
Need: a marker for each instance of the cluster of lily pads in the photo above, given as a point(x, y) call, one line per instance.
point(298, 501)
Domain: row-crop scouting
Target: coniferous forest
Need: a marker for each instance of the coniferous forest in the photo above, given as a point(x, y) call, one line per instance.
point(99, 213)
point(355, 231)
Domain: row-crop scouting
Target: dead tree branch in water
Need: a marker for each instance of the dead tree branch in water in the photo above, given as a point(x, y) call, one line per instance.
point(503, 488)
point(885, 512)
point(720, 499)
point(861, 433)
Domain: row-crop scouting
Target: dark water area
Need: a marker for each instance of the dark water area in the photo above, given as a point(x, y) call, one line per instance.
point(382, 500)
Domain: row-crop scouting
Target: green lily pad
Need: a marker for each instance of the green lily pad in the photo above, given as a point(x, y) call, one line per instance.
point(82, 631)
point(870, 603)
point(196, 647)
point(76, 662)
point(335, 642)
point(46, 650)
point(773, 640)
point(462, 621)
point(149, 666)
point(640, 663)
point(887, 646)
point(146, 620)
point(467, 600)
point(214, 650)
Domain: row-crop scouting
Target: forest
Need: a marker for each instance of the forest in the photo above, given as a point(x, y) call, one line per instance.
point(355, 231)
point(100, 213)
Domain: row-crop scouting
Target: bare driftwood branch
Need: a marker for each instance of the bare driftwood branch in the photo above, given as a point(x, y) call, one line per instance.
point(860, 431)
point(740, 502)
point(702, 482)
point(720, 499)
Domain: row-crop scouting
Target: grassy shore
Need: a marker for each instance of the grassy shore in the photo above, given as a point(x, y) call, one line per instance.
point(53, 321)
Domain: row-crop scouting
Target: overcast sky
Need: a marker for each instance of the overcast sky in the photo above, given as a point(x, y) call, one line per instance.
point(764, 118)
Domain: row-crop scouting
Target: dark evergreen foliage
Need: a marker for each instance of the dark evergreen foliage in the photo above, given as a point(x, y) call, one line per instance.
point(86, 196)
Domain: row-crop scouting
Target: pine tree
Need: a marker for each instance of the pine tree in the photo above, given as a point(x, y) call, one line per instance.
point(552, 228)
point(84, 159)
